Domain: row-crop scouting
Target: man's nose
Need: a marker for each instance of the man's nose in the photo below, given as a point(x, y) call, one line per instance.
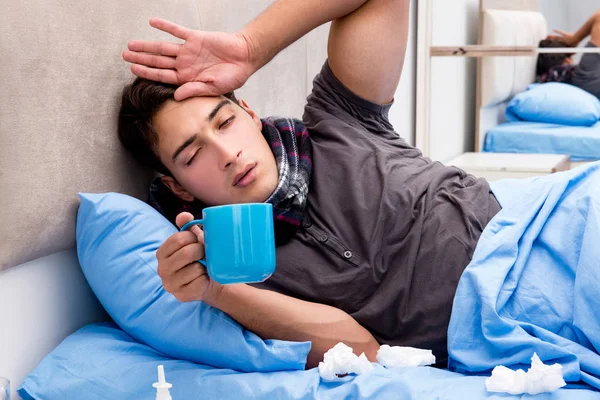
point(228, 155)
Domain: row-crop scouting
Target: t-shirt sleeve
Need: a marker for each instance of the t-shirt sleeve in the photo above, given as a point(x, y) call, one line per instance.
point(331, 100)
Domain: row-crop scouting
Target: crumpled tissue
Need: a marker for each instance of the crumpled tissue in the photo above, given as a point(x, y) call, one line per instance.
point(340, 360)
point(401, 356)
point(540, 378)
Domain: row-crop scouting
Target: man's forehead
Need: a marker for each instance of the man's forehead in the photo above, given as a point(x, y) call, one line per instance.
point(202, 104)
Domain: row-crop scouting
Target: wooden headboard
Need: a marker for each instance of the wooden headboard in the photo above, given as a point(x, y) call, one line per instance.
point(499, 78)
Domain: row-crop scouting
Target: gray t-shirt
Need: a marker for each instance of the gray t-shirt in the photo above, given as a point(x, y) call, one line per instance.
point(386, 233)
point(586, 74)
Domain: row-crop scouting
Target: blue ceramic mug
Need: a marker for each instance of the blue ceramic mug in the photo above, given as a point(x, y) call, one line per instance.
point(239, 242)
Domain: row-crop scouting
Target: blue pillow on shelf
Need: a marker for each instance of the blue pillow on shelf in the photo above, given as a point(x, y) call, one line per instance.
point(117, 239)
point(555, 103)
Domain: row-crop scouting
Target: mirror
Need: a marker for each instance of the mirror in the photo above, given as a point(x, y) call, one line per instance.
point(462, 98)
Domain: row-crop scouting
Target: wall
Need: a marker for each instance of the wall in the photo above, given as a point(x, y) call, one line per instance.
point(556, 13)
point(579, 12)
point(402, 113)
point(453, 80)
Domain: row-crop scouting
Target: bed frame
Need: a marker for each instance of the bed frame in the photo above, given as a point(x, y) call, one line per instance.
point(489, 113)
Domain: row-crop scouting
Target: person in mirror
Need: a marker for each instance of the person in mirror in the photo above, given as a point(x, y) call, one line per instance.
point(372, 237)
point(561, 67)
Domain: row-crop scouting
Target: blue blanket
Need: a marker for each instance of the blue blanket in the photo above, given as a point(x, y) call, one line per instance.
point(534, 282)
point(533, 286)
point(100, 362)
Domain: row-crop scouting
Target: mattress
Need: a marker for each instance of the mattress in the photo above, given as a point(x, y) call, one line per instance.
point(580, 142)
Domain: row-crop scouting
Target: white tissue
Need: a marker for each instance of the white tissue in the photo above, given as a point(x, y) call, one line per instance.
point(400, 356)
point(340, 360)
point(540, 378)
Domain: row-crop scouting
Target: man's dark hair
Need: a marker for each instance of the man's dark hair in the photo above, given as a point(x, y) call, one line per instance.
point(140, 102)
point(547, 61)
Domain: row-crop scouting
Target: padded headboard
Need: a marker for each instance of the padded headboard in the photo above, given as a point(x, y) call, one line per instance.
point(61, 75)
point(504, 23)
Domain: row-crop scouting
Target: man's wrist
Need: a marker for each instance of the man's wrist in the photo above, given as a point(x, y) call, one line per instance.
point(214, 293)
point(218, 294)
point(256, 57)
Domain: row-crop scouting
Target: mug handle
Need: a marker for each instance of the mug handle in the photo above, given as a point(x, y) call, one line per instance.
point(188, 226)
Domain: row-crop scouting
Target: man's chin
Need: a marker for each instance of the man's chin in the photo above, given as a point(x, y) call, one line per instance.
point(255, 195)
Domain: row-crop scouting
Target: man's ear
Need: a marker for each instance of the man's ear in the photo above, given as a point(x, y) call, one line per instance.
point(176, 188)
point(251, 112)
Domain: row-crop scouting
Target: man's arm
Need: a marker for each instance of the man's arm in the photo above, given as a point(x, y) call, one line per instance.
point(367, 42)
point(275, 316)
point(367, 39)
point(270, 315)
point(591, 27)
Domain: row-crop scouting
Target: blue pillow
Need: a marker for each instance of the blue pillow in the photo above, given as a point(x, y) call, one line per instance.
point(117, 239)
point(555, 103)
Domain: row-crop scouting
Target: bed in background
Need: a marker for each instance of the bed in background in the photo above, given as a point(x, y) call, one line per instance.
point(549, 118)
point(581, 143)
point(500, 79)
point(509, 32)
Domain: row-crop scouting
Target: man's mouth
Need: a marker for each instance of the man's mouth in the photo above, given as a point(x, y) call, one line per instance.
point(246, 176)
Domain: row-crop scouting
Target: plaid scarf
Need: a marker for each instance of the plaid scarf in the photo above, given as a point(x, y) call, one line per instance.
point(291, 146)
point(561, 73)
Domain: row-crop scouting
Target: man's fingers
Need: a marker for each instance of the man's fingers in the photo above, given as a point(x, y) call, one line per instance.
point(562, 33)
point(155, 74)
point(149, 60)
point(155, 47)
point(175, 243)
point(192, 291)
point(191, 89)
point(198, 232)
point(183, 218)
point(184, 256)
point(187, 275)
point(169, 27)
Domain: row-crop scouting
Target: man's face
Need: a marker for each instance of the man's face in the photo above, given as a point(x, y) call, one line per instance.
point(216, 151)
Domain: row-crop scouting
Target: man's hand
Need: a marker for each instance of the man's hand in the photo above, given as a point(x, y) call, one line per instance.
point(206, 64)
point(178, 266)
point(568, 38)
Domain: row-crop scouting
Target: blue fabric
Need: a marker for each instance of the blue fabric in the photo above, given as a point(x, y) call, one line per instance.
point(101, 362)
point(581, 143)
point(117, 239)
point(554, 103)
point(534, 281)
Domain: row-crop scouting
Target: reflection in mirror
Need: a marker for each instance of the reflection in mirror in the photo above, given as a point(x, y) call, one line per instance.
point(524, 78)
point(547, 104)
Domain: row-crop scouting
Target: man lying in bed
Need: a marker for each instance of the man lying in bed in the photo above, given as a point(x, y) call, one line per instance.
point(560, 67)
point(372, 237)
